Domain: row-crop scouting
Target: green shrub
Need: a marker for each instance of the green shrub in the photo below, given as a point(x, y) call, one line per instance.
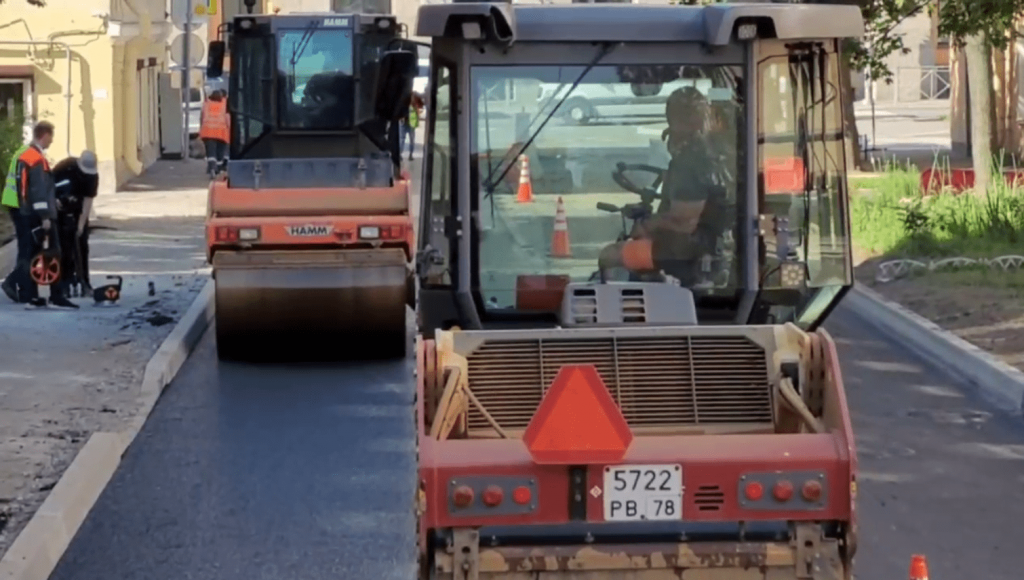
point(889, 216)
point(11, 138)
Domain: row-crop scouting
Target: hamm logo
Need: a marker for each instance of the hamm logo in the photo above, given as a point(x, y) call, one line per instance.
point(309, 230)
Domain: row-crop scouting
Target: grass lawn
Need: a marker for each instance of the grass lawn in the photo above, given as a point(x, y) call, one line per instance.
point(983, 304)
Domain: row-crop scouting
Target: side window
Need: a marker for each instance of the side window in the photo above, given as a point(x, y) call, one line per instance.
point(250, 98)
point(801, 158)
point(439, 167)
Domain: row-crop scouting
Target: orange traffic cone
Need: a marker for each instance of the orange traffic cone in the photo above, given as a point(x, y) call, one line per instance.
point(560, 235)
point(525, 194)
point(918, 567)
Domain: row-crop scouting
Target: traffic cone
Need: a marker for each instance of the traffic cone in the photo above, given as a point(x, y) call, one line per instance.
point(525, 194)
point(560, 235)
point(918, 567)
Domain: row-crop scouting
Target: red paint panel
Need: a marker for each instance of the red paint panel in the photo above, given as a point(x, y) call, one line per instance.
point(231, 201)
point(343, 230)
point(959, 180)
point(706, 460)
point(783, 175)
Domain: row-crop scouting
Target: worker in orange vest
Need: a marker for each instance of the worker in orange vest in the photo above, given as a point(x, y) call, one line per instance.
point(215, 130)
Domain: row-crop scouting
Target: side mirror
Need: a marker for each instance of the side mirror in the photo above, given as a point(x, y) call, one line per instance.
point(393, 90)
point(215, 59)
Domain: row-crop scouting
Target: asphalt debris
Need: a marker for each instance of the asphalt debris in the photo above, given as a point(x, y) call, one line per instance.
point(158, 319)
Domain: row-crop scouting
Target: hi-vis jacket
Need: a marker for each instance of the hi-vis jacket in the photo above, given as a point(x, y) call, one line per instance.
point(34, 184)
point(215, 122)
point(10, 193)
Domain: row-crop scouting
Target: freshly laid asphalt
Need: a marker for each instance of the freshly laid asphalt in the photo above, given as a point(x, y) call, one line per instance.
point(261, 473)
point(289, 473)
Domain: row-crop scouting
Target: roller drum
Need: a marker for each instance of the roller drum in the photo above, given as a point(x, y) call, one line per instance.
point(311, 304)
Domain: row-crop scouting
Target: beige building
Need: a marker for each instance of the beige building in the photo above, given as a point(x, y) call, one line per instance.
point(91, 68)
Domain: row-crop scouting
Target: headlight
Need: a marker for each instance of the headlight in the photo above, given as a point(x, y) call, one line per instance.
point(369, 232)
point(248, 234)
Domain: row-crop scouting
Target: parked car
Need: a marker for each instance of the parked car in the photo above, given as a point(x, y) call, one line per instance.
point(593, 101)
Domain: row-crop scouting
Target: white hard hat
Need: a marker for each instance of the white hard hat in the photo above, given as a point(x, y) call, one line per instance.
point(87, 163)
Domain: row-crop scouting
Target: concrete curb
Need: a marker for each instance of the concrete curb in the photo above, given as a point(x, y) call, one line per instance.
point(38, 548)
point(998, 382)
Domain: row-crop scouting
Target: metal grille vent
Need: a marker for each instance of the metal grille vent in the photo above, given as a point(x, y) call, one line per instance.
point(584, 306)
point(709, 498)
point(657, 381)
point(634, 307)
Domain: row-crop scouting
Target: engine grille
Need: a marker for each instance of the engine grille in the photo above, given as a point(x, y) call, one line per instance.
point(657, 381)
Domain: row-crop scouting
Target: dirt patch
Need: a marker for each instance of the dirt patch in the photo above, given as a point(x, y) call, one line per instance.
point(984, 306)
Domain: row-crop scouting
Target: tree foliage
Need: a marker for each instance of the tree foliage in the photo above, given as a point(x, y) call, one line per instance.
point(993, 19)
point(39, 3)
point(881, 18)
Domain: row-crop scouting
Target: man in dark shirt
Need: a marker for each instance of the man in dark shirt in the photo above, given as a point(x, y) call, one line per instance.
point(77, 183)
point(693, 210)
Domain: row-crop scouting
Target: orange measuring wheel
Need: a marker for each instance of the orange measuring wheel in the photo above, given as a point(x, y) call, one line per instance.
point(45, 269)
point(111, 294)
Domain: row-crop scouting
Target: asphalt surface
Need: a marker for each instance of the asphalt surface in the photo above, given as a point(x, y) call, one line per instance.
point(261, 473)
point(277, 472)
point(941, 473)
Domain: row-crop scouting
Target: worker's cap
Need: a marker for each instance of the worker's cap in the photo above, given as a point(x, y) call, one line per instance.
point(685, 100)
point(87, 163)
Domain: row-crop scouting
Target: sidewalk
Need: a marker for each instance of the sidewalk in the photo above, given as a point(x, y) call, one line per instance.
point(67, 374)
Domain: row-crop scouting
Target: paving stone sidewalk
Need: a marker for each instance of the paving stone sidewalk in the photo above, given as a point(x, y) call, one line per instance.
point(66, 374)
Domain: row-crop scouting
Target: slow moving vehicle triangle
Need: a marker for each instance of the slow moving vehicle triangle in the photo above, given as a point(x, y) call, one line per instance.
point(577, 421)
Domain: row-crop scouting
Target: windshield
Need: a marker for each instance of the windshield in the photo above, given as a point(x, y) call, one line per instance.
point(315, 84)
point(635, 175)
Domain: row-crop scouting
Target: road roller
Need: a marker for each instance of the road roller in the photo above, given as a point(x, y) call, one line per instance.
point(308, 230)
point(620, 365)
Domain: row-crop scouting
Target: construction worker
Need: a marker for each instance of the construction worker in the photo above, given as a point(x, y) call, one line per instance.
point(215, 130)
point(410, 122)
point(77, 183)
point(694, 206)
point(37, 212)
point(9, 200)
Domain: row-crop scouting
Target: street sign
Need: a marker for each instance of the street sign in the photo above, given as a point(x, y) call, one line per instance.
point(196, 49)
point(201, 10)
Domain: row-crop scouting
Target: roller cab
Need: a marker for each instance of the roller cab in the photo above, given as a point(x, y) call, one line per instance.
point(634, 222)
point(309, 230)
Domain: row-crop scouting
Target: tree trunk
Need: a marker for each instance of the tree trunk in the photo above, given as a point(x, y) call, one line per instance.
point(853, 153)
point(979, 79)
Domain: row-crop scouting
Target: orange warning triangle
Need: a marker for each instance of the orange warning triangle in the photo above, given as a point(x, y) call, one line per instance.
point(577, 422)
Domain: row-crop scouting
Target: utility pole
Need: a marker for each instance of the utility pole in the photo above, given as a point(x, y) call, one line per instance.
point(186, 82)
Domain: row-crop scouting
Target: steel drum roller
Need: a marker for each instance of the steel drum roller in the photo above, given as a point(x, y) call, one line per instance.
point(340, 304)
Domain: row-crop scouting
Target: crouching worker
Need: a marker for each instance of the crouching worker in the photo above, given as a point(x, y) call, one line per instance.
point(77, 183)
point(37, 215)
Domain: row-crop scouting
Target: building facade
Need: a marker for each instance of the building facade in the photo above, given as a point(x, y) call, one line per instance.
point(91, 68)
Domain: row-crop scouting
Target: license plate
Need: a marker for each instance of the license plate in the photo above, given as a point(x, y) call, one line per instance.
point(643, 492)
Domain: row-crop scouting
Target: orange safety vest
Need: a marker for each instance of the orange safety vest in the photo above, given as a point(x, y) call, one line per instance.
point(215, 121)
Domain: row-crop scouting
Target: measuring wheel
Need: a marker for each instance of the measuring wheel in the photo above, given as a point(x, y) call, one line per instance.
point(45, 269)
point(111, 294)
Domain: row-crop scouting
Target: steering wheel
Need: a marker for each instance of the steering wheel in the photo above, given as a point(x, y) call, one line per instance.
point(648, 193)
